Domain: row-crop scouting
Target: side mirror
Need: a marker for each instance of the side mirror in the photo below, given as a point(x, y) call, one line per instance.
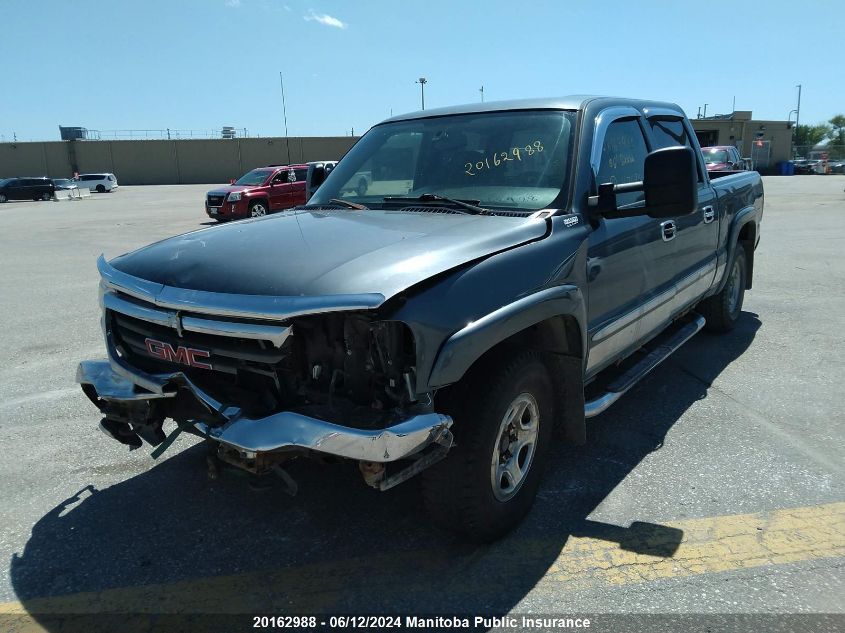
point(670, 182)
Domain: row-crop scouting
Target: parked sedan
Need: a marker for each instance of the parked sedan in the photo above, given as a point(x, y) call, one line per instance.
point(65, 184)
point(26, 189)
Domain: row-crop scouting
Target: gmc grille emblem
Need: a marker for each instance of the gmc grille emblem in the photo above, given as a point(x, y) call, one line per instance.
point(182, 355)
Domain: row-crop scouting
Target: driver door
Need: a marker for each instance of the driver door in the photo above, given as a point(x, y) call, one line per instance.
point(629, 263)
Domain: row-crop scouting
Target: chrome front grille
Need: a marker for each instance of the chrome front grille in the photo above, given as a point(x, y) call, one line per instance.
point(216, 200)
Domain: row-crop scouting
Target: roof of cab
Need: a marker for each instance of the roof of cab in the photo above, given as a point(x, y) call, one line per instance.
point(571, 102)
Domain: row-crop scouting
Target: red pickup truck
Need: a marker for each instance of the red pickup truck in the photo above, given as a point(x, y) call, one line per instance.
point(258, 192)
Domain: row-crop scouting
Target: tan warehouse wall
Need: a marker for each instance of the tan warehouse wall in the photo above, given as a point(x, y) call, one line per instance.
point(165, 162)
point(743, 133)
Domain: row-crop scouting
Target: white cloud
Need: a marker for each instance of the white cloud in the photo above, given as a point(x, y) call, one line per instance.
point(325, 19)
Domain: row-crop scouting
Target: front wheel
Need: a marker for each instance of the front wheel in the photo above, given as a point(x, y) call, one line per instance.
point(258, 209)
point(3, 198)
point(503, 419)
point(721, 311)
point(101, 189)
point(46, 196)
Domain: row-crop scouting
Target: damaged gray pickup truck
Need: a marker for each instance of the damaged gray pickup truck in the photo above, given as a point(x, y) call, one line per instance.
point(505, 271)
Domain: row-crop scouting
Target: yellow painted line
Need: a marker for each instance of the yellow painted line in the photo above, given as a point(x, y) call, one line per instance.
point(699, 546)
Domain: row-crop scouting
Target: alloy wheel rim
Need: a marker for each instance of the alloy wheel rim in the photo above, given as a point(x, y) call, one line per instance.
point(516, 443)
point(258, 210)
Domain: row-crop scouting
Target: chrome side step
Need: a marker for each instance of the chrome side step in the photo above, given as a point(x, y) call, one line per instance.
point(623, 383)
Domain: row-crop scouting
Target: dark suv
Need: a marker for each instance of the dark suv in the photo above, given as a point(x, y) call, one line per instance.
point(26, 189)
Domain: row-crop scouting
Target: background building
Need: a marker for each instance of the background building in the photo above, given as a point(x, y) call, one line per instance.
point(766, 143)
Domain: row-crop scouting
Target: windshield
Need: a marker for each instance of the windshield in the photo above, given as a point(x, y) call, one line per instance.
point(255, 177)
point(514, 160)
point(3, 181)
point(715, 156)
point(62, 181)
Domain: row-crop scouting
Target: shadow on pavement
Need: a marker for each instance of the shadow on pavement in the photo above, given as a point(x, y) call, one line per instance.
point(339, 546)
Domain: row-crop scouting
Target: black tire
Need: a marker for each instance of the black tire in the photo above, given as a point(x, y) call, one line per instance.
point(46, 196)
point(258, 208)
point(101, 189)
point(459, 492)
point(722, 310)
point(3, 198)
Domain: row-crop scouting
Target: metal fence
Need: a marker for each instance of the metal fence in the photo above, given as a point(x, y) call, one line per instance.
point(824, 152)
point(167, 134)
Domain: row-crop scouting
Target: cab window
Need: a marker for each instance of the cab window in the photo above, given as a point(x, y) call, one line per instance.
point(623, 158)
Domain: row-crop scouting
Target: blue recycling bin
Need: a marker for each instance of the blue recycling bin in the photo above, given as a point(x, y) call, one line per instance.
point(783, 168)
point(790, 168)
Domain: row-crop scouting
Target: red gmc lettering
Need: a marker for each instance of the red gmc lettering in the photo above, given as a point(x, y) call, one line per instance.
point(182, 355)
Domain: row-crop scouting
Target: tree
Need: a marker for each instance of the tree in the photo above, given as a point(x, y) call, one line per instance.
point(809, 135)
point(837, 136)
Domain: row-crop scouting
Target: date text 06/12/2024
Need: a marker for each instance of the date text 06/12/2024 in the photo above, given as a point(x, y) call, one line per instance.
point(420, 622)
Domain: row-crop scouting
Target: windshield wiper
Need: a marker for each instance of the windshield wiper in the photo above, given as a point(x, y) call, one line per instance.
point(471, 206)
point(348, 204)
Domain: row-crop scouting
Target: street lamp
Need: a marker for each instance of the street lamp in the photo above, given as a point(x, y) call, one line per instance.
point(422, 81)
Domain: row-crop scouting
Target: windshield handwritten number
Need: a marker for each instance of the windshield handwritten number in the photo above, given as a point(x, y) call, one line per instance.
point(501, 157)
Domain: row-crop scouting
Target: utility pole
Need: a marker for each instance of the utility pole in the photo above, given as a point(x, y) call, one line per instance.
point(698, 116)
point(422, 81)
point(798, 111)
point(705, 110)
point(285, 111)
point(733, 106)
point(481, 90)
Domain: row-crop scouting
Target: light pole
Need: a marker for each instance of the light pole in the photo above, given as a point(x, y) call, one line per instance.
point(285, 111)
point(705, 110)
point(481, 90)
point(798, 109)
point(422, 81)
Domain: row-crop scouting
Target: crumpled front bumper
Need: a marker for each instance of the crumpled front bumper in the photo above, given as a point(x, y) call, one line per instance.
point(118, 382)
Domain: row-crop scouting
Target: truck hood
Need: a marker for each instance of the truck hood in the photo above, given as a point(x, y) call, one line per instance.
point(316, 253)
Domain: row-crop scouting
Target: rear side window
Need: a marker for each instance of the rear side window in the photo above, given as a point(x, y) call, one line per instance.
point(91, 177)
point(670, 133)
point(622, 158)
point(300, 174)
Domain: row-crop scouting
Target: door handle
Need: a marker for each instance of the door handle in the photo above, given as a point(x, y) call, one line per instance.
point(709, 215)
point(668, 230)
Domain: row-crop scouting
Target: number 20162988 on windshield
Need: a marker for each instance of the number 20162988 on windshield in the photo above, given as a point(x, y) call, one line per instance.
point(499, 158)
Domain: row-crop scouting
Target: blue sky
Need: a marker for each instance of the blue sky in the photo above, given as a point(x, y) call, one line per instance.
point(202, 64)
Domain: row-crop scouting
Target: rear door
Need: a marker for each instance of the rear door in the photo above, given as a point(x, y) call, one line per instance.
point(629, 265)
point(696, 234)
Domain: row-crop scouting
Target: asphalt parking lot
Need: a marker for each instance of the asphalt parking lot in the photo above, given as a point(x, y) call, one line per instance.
point(715, 486)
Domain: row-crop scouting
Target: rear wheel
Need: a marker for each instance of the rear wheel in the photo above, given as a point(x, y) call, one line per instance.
point(3, 198)
point(46, 196)
point(101, 189)
point(257, 208)
point(722, 310)
point(503, 419)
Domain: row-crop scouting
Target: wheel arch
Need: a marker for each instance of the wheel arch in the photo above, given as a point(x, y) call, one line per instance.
point(743, 234)
point(550, 321)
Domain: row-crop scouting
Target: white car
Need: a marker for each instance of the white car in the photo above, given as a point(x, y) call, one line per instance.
point(97, 182)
